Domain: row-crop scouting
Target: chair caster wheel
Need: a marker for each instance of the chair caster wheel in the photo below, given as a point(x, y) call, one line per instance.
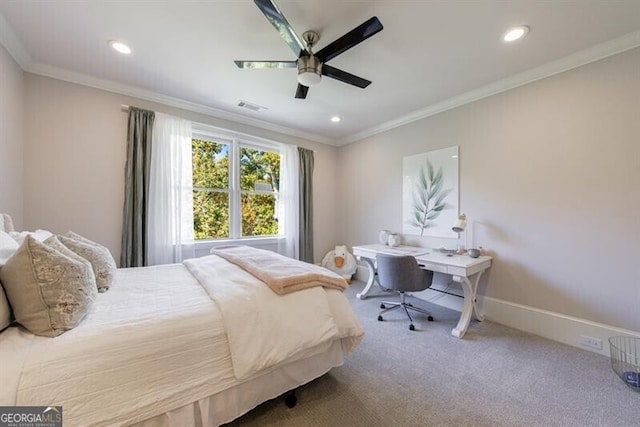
point(291, 400)
point(411, 327)
point(380, 319)
point(383, 306)
point(430, 318)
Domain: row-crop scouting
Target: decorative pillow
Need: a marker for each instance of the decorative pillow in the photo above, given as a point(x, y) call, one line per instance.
point(56, 244)
point(7, 247)
point(104, 266)
point(50, 293)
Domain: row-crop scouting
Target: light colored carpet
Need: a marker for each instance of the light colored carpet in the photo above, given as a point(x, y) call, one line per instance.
point(494, 376)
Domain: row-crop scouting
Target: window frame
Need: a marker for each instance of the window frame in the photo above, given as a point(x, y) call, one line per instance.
point(236, 141)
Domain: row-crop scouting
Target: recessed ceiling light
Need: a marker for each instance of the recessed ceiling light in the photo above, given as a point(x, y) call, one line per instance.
point(120, 47)
point(515, 33)
point(336, 119)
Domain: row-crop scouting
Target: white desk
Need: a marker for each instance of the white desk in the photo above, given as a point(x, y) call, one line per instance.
point(463, 269)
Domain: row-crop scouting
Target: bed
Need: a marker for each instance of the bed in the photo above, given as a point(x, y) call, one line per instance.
point(197, 343)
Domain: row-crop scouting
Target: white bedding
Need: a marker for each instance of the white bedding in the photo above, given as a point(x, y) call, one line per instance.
point(263, 328)
point(153, 343)
point(134, 354)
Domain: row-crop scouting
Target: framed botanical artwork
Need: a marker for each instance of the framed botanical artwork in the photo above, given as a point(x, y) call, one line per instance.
point(430, 193)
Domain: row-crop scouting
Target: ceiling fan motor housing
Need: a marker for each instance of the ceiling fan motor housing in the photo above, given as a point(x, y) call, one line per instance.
point(309, 70)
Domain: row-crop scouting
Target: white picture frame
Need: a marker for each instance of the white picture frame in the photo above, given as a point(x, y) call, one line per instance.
point(430, 193)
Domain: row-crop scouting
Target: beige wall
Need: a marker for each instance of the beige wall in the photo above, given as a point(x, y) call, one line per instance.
point(75, 158)
point(550, 171)
point(11, 137)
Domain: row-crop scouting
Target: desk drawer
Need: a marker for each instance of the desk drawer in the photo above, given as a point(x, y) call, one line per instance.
point(433, 266)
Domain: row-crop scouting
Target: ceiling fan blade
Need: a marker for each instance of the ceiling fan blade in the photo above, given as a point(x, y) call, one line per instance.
point(345, 77)
point(266, 64)
point(349, 40)
point(301, 92)
point(279, 22)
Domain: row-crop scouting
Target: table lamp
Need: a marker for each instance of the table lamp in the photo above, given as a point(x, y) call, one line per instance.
point(459, 227)
point(460, 224)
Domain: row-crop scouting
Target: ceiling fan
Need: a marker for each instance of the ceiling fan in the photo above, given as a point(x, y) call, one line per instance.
point(312, 66)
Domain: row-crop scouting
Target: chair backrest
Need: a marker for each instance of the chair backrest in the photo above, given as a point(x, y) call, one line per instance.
point(401, 273)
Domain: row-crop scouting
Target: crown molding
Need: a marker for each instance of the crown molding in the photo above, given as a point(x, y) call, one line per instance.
point(135, 92)
point(583, 57)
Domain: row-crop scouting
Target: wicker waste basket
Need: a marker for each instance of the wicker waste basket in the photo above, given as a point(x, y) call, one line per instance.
point(625, 359)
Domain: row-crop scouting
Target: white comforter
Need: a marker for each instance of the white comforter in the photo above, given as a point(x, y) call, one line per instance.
point(264, 328)
point(154, 342)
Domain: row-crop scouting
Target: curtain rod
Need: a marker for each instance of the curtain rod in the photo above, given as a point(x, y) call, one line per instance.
point(124, 107)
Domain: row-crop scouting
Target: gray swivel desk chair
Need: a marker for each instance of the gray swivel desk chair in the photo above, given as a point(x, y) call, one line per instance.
point(402, 274)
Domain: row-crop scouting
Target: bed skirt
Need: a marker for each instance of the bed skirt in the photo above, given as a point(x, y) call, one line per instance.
point(229, 404)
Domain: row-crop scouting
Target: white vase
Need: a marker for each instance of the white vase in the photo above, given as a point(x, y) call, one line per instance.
point(383, 237)
point(394, 240)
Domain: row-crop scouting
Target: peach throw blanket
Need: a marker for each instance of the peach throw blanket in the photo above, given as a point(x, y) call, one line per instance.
point(282, 274)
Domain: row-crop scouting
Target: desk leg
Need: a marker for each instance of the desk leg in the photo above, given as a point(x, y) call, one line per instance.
point(372, 277)
point(469, 287)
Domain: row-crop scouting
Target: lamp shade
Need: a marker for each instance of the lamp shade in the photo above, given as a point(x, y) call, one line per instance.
point(460, 224)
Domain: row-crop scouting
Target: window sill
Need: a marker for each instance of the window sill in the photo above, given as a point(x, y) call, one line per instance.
point(204, 246)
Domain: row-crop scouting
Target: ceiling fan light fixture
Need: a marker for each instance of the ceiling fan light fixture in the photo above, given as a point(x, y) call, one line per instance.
point(309, 71)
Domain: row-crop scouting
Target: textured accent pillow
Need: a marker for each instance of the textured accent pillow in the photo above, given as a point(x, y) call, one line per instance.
point(104, 266)
point(50, 293)
point(56, 244)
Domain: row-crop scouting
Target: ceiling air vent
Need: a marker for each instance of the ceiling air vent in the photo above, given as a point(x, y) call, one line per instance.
point(249, 106)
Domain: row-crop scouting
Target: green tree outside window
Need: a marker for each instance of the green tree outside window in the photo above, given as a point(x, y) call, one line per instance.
point(259, 182)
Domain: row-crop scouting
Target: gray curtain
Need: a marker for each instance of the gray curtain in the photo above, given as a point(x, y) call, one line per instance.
point(306, 204)
point(136, 190)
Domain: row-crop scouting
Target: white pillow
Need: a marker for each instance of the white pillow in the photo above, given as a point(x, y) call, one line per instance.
point(39, 235)
point(6, 223)
point(7, 247)
point(5, 310)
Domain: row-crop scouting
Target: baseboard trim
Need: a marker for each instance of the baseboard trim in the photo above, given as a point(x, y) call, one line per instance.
point(551, 325)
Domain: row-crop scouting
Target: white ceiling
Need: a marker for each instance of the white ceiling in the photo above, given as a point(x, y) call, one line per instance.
point(431, 55)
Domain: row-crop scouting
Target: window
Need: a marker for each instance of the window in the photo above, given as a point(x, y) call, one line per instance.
point(235, 188)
